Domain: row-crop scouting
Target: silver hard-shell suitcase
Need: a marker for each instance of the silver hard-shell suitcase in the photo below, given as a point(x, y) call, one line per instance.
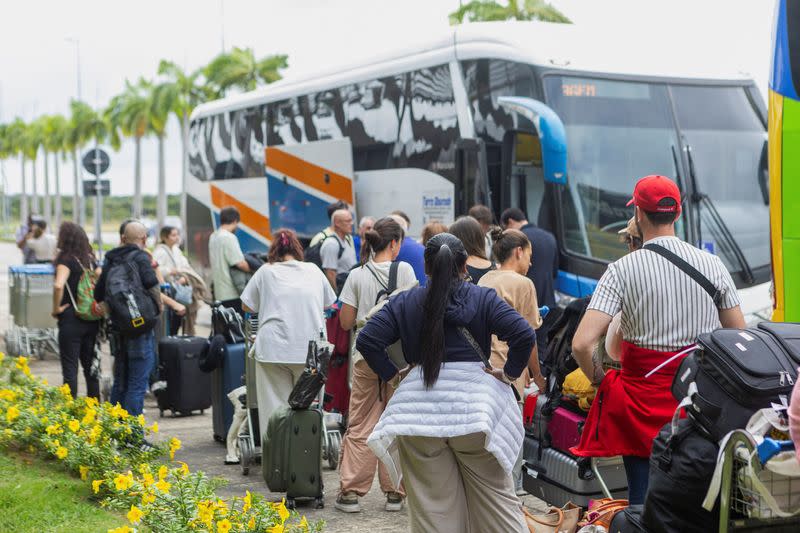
point(557, 478)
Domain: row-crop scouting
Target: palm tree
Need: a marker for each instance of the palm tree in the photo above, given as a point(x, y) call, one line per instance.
point(130, 114)
point(159, 115)
point(43, 125)
point(32, 141)
point(180, 93)
point(488, 10)
point(55, 142)
point(16, 143)
point(6, 151)
point(239, 68)
point(78, 134)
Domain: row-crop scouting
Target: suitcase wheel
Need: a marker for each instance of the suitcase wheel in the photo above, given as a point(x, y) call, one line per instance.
point(246, 454)
point(319, 503)
point(160, 413)
point(290, 503)
point(174, 414)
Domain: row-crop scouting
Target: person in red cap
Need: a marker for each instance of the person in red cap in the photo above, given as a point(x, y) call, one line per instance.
point(663, 309)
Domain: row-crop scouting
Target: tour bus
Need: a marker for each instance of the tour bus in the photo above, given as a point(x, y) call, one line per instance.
point(551, 118)
point(784, 160)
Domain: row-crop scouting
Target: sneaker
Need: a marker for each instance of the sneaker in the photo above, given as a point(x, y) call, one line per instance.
point(347, 502)
point(394, 502)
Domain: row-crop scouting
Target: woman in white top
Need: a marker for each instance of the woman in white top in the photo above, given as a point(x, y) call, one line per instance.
point(290, 297)
point(368, 397)
point(175, 269)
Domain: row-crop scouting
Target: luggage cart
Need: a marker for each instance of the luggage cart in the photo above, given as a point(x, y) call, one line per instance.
point(742, 507)
point(32, 330)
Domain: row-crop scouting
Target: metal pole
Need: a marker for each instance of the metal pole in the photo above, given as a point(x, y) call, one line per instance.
point(98, 203)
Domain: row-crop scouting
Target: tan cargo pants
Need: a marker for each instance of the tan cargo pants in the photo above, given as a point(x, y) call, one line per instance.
point(368, 399)
point(455, 486)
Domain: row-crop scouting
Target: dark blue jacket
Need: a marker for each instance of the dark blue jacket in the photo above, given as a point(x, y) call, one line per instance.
point(479, 309)
point(413, 253)
point(544, 263)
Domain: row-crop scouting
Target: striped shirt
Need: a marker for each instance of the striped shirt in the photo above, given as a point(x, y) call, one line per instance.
point(662, 307)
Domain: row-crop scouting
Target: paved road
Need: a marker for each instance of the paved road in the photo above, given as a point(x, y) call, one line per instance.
point(201, 452)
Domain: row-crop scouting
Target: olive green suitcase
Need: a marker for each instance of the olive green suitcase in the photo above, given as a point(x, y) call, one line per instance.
point(291, 459)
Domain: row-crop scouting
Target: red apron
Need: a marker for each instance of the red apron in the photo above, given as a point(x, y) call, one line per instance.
point(630, 409)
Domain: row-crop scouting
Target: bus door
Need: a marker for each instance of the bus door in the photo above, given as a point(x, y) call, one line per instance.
point(472, 186)
point(535, 155)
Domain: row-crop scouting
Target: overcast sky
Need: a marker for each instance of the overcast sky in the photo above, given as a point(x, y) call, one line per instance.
point(120, 40)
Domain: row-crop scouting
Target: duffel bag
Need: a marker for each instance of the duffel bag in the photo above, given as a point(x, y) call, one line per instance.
point(681, 466)
point(734, 373)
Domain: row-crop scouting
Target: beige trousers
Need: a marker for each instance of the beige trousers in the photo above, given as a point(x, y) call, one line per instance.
point(274, 382)
point(455, 486)
point(368, 399)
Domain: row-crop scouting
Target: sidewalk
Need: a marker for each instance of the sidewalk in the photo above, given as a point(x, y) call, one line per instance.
point(201, 452)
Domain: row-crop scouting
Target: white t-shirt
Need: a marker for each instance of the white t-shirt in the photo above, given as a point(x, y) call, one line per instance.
point(43, 248)
point(362, 286)
point(290, 298)
point(224, 252)
point(329, 253)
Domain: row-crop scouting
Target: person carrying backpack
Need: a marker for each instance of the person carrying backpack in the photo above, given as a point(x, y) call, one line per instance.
point(77, 322)
point(129, 287)
point(668, 292)
point(367, 286)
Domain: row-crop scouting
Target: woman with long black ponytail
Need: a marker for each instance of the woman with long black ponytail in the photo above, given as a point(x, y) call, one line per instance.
point(452, 431)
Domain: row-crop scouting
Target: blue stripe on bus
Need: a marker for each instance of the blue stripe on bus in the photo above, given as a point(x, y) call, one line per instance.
point(574, 285)
point(293, 208)
point(248, 242)
point(780, 79)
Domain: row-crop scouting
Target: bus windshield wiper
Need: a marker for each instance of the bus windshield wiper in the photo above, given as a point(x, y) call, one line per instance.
point(678, 176)
point(700, 197)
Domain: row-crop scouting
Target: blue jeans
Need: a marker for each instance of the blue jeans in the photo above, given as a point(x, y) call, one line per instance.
point(637, 470)
point(132, 372)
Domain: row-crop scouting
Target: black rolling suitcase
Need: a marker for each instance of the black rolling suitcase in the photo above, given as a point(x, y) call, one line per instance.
point(187, 388)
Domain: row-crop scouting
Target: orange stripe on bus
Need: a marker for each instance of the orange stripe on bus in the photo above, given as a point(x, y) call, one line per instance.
point(316, 177)
point(250, 217)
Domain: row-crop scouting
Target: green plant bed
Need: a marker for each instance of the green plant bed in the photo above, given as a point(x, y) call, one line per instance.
point(36, 496)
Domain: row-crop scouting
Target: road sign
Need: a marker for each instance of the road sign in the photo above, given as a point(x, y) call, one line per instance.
point(92, 187)
point(96, 161)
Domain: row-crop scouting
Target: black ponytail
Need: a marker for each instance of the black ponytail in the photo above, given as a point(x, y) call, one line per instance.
point(445, 257)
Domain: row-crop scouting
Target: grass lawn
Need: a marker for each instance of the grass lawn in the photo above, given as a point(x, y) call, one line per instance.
point(36, 497)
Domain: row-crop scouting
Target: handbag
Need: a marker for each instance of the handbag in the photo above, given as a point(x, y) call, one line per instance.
point(601, 512)
point(555, 520)
point(314, 375)
point(183, 293)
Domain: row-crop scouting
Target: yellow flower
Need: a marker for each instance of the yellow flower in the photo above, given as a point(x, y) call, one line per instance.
point(148, 497)
point(123, 529)
point(118, 412)
point(135, 515)
point(282, 511)
point(123, 482)
point(45, 382)
point(224, 526)
point(248, 502)
point(94, 433)
point(163, 472)
point(2, 356)
point(21, 362)
point(65, 390)
point(276, 529)
point(251, 524)
point(74, 426)
point(96, 484)
point(184, 469)
point(89, 417)
point(141, 420)
point(84, 471)
point(91, 402)
point(304, 523)
point(154, 427)
point(147, 480)
point(61, 452)
point(7, 394)
point(53, 429)
point(174, 445)
point(12, 414)
point(144, 468)
point(163, 486)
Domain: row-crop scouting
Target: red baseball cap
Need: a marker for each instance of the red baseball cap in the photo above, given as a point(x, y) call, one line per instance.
point(650, 190)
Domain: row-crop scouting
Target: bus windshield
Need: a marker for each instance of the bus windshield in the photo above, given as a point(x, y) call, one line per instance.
point(618, 131)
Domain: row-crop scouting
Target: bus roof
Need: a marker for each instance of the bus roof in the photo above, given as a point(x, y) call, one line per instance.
point(568, 47)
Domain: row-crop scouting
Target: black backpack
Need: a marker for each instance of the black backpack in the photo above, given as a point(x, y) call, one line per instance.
point(312, 253)
point(132, 308)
